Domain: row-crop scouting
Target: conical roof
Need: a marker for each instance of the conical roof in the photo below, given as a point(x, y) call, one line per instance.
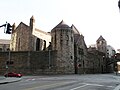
point(62, 24)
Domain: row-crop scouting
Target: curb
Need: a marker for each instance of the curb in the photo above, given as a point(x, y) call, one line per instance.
point(9, 80)
point(118, 78)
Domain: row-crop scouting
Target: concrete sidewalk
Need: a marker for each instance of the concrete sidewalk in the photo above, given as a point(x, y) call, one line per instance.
point(9, 80)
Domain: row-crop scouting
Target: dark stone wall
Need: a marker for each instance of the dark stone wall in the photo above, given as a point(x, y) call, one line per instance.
point(28, 62)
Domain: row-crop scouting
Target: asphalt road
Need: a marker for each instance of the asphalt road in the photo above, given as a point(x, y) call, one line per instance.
point(65, 82)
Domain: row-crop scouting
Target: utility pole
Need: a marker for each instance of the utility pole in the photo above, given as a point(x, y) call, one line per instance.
point(49, 59)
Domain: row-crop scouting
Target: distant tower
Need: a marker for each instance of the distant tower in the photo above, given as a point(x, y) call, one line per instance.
point(101, 45)
point(63, 42)
point(31, 37)
point(32, 22)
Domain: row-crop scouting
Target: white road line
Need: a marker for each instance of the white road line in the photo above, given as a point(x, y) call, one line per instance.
point(79, 87)
point(87, 84)
point(49, 85)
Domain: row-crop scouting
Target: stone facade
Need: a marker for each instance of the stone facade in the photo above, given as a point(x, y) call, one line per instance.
point(80, 51)
point(28, 38)
point(28, 62)
point(102, 45)
point(62, 51)
point(63, 42)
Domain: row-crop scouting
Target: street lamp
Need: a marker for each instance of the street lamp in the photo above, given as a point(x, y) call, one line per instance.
point(49, 62)
point(115, 64)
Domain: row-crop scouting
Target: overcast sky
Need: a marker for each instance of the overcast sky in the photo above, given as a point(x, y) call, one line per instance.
point(91, 17)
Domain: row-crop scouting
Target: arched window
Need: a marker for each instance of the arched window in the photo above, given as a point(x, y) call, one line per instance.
point(44, 45)
point(37, 44)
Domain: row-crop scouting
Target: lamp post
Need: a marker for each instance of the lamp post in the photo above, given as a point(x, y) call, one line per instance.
point(104, 64)
point(8, 62)
point(49, 62)
point(115, 64)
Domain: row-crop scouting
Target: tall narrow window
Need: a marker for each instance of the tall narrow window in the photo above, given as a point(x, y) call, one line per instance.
point(55, 41)
point(44, 45)
point(19, 44)
point(37, 44)
point(67, 38)
point(71, 39)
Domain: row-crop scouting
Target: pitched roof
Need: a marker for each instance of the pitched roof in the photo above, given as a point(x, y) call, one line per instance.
point(74, 29)
point(62, 24)
point(100, 38)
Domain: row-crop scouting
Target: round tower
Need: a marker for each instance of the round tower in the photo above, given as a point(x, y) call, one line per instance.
point(63, 42)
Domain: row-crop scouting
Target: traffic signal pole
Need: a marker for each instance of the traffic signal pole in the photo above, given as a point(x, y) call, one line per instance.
point(7, 29)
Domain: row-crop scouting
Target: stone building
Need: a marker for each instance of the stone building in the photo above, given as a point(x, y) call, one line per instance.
point(28, 38)
point(80, 51)
point(101, 45)
point(67, 41)
point(63, 42)
point(61, 51)
point(101, 55)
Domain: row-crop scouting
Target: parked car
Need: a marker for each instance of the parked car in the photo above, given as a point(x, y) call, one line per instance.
point(12, 74)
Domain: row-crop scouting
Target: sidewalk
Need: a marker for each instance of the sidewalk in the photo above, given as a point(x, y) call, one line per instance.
point(9, 80)
point(117, 78)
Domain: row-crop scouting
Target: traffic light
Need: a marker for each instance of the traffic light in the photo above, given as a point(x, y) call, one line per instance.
point(119, 4)
point(8, 28)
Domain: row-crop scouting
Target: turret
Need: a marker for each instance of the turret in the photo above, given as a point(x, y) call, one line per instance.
point(63, 42)
point(32, 23)
point(31, 37)
point(101, 44)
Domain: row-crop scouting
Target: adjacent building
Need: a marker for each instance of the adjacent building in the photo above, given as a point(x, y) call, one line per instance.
point(110, 51)
point(4, 45)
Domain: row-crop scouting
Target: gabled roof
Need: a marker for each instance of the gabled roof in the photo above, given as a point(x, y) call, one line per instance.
point(62, 24)
point(21, 24)
point(100, 38)
point(74, 29)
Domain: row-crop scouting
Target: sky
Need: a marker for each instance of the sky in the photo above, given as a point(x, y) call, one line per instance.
point(91, 17)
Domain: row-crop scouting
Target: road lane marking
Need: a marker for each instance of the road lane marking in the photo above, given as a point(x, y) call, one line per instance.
point(87, 84)
point(49, 85)
point(78, 87)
